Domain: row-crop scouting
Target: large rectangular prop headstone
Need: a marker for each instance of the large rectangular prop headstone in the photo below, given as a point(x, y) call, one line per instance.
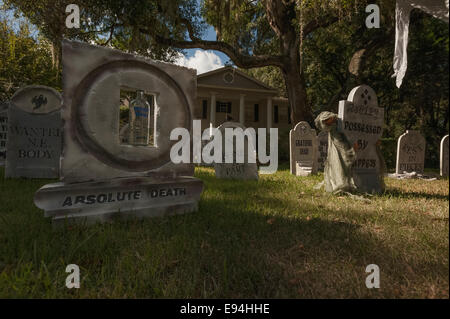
point(322, 150)
point(34, 142)
point(235, 170)
point(444, 157)
point(362, 122)
point(303, 150)
point(3, 131)
point(410, 153)
point(103, 175)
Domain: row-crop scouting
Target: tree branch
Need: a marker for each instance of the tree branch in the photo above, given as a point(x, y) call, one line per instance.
point(315, 24)
point(241, 60)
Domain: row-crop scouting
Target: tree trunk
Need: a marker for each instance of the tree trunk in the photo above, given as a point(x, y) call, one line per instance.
point(295, 87)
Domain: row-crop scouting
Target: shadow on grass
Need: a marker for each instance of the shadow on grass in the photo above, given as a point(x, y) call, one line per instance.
point(245, 241)
point(396, 193)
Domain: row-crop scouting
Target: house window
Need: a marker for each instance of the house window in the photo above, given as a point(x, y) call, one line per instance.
point(289, 115)
point(275, 114)
point(223, 107)
point(204, 109)
point(256, 113)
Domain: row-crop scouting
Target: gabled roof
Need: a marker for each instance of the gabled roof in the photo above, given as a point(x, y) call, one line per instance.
point(231, 78)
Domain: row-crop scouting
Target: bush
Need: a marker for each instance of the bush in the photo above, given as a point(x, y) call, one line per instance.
point(389, 151)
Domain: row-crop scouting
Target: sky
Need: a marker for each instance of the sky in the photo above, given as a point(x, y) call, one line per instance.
point(204, 60)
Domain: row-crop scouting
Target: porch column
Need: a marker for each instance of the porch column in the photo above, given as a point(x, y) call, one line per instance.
point(212, 115)
point(269, 112)
point(242, 109)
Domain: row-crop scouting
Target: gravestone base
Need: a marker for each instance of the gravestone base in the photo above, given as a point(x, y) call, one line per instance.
point(120, 198)
point(304, 170)
point(241, 171)
point(368, 182)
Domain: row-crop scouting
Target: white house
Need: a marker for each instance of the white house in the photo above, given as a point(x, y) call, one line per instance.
point(235, 96)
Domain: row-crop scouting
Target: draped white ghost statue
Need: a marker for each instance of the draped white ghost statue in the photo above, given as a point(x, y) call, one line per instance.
point(436, 8)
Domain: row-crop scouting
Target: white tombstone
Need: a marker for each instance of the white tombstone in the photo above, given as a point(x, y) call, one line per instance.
point(322, 150)
point(3, 131)
point(410, 153)
point(303, 149)
point(362, 122)
point(235, 170)
point(444, 157)
point(34, 142)
point(102, 178)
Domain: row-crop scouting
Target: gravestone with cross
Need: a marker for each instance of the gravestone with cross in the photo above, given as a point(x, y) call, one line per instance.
point(3, 131)
point(362, 122)
point(34, 142)
point(303, 149)
point(235, 170)
point(322, 150)
point(101, 177)
point(410, 153)
point(444, 157)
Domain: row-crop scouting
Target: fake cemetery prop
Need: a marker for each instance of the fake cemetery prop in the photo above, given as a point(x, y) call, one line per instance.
point(101, 177)
point(444, 157)
point(322, 150)
point(236, 170)
point(3, 131)
point(436, 8)
point(341, 156)
point(303, 150)
point(361, 120)
point(410, 153)
point(34, 133)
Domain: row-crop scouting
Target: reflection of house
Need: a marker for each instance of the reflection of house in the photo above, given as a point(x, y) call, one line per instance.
point(237, 97)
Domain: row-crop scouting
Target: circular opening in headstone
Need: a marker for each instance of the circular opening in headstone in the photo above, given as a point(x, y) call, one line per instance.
point(103, 153)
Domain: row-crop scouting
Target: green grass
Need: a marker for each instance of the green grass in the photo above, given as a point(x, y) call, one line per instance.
point(275, 238)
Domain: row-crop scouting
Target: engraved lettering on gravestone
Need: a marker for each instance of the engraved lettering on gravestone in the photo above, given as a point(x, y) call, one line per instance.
point(322, 152)
point(38, 101)
point(232, 167)
point(410, 152)
point(34, 133)
point(104, 176)
point(362, 122)
point(303, 150)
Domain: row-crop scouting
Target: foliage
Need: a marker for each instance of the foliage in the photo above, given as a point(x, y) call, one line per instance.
point(24, 60)
point(389, 151)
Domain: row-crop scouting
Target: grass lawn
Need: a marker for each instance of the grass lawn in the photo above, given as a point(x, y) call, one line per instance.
point(275, 238)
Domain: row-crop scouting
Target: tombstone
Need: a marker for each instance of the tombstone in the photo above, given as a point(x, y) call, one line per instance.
point(101, 178)
point(322, 150)
point(362, 122)
point(3, 131)
point(303, 150)
point(241, 171)
point(444, 157)
point(410, 153)
point(34, 133)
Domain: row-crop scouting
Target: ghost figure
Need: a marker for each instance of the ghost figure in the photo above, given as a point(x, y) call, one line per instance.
point(341, 156)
